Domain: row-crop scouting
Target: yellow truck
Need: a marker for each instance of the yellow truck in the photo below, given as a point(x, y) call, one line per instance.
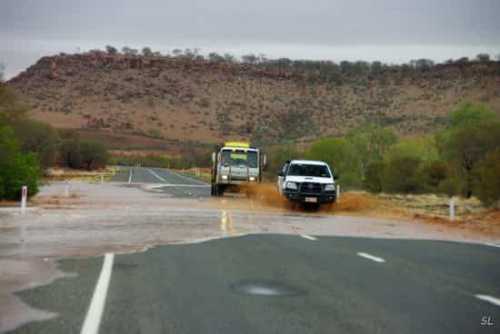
point(235, 165)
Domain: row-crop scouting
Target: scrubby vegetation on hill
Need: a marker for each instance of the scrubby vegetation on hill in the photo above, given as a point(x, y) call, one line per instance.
point(208, 99)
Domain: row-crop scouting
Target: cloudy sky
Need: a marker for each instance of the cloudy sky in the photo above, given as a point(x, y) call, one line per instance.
point(388, 30)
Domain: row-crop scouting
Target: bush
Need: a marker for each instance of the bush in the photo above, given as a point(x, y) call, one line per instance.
point(432, 174)
point(38, 138)
point(93, 155)
point(16, 169)
point(373, 177)
point(70, 153)
point(11, 108)
point(83, 154)
point(487, 179)
point(465, 146)
point(342, 158)
point(401, 175)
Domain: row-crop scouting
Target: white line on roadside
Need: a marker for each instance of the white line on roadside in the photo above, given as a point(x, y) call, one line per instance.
point(96, 308)
point(371, 257)
point(308, 237)
point(130, 176)
point(152, 172)
point(489, 299)
point(492, 244)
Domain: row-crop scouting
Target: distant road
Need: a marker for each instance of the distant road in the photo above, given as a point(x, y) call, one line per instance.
point(165, 180)
point(282, 284)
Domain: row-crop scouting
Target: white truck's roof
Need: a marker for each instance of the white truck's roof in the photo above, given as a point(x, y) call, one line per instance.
point(308, 162)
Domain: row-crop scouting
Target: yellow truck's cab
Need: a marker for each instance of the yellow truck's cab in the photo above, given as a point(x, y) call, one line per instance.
point(234, 165)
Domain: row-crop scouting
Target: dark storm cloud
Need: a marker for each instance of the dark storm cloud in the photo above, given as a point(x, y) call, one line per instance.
point(329, 22)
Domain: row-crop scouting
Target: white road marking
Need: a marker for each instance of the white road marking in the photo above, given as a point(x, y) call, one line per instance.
point(187, 178)
point(371, 257)
point(163, 185)
point(130, 176)
point(308, 237)
point(152, 172)
point(492, 244)
point(489, 299)
point(96, 308)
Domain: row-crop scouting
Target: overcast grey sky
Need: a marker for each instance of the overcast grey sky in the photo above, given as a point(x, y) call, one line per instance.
point(389, 30)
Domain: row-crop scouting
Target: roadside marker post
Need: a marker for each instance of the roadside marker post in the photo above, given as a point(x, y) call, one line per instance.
point(66, 189)
point(338, 191)
point(452, 209)
point(102, 179)
point(24, 199)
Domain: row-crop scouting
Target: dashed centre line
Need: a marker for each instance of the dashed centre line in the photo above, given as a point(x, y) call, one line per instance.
point(489, 299)
point(371, 257)
point(308, 237)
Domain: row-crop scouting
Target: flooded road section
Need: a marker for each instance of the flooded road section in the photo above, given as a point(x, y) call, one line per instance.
point(143, 208)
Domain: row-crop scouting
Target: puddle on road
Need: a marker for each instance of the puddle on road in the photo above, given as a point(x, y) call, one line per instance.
point(266, 288)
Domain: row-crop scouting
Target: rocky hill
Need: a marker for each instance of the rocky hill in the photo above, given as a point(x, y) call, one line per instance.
point(167, 99)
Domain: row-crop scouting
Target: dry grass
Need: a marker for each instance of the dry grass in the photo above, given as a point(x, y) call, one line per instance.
point(64, 174)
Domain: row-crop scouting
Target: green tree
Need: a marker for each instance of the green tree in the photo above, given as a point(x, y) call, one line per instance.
point(215, 57)
point(278, 155)
point(93, 155)
point(373, 176)
point(487, 178)
point(473, 132)
point(69, 152)
point(111, 50)
point(249, 58)
point(432, 175)
point(147, 52)
point(371, 142)
point(341, 155)
point(11, 108)
point(39, 138)
point(16, 169)
point(422, 148)
point(400, 175)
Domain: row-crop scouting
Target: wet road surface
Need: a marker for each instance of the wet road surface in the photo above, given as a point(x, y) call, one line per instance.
point(164, 181)
point(242, 282)
point(283, 284)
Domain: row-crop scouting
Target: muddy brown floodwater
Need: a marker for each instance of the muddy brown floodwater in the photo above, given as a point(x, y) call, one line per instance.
point(98, 218)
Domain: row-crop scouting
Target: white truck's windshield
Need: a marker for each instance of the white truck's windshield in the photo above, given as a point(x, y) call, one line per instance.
point(308, 170)
point(239, 158)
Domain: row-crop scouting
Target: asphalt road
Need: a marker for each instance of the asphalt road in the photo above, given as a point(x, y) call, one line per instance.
point(166, 181)
point(274, 284)
point(283, 284)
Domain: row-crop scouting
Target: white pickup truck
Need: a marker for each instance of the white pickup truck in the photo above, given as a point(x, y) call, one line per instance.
point(307, 181)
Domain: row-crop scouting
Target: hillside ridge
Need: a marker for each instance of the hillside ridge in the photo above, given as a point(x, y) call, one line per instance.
point(180, 98)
